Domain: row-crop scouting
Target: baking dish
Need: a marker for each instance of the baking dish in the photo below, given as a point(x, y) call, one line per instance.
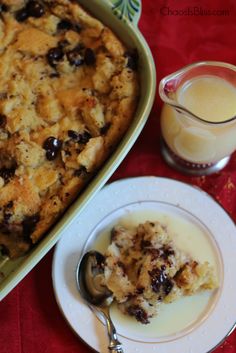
point(122, 17)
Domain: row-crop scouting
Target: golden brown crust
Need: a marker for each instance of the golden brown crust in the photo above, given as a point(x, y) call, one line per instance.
point(68, 92)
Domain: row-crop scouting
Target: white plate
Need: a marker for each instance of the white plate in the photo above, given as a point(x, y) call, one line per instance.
point(171, 198)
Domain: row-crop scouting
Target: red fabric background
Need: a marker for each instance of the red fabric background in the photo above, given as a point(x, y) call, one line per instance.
point(30, 321)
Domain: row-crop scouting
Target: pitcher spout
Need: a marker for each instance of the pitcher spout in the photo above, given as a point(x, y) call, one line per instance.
point(171, 85)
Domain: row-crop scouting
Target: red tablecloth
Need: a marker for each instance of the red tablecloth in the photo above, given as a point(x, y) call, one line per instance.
point(30, 321)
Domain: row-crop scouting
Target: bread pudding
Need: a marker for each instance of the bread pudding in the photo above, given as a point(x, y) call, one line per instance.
point(68, 92)
point(144, 268)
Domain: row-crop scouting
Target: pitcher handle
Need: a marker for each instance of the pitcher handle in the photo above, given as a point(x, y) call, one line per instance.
point(126, 10)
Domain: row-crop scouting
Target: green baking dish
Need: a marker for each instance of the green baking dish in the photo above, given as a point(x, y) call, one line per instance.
point(122, 17)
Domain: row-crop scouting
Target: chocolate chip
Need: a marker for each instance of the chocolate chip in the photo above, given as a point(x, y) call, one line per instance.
point(75, 57)
point(54, 75)
point(7, 173)
point(138, 313)
point(4, 250)
point(114, 234)
point(77, 137)
point(145, 244)
point(67, 153)
point(35, 9)
point(122, 266)
point(3, 120)
point(6, 217)
point(80, 47)
point(105, 128)
point(132, 59)
point(81, 172)
point(89, 57)
point(77, 27)
point(54, 55)
point(167, 251)
point(140, 290)
point(85, 137)
point(168, 285)
point(52, 145)
point(64, 25)
point(155, 253)
point(29, 224)
point(9, 204)
point(32, 9)
point(3, 8)
point(160, 281)
point(74, 135)
point(51, 155)
point(63, 43)
point(21, 15)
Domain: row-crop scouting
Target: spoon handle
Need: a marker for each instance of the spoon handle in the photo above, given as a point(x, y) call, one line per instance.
point(117, 349)
point(114, 343)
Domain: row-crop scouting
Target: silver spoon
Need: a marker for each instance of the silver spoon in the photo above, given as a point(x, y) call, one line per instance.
point(89, 275)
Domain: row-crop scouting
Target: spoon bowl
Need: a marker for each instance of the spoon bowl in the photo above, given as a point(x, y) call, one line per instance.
point(90, 283)
point(89, 278)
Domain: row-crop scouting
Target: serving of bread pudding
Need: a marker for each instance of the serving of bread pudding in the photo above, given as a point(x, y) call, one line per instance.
point(144, 268)
point(68, 92)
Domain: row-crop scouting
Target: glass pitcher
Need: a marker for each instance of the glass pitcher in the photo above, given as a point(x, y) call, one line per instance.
point(198, 119)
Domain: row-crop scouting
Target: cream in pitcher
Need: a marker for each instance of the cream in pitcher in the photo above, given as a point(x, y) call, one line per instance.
point(198, 120)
